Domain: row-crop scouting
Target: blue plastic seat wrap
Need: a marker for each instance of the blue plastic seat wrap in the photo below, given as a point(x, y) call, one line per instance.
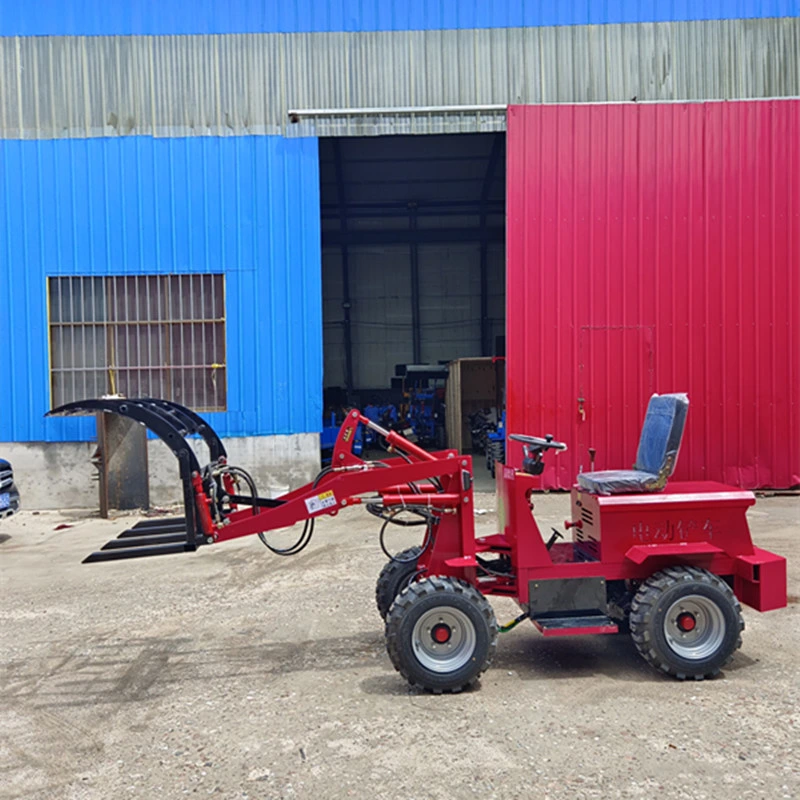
point(657, 455)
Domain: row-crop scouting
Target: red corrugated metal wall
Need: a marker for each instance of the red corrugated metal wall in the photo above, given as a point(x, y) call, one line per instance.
point(656, 248)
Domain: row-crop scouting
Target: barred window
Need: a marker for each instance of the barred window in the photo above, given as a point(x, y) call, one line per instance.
point(139, 336)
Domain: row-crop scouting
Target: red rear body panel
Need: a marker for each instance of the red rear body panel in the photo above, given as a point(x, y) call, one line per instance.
point(629, 537)
point(684, 513)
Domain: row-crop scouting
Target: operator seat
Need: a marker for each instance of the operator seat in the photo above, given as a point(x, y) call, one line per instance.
point(659, 444)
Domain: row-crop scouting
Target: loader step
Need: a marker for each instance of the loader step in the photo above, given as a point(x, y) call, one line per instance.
point(575, 625)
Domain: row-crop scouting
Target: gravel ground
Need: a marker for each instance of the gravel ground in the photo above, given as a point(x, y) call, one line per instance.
point(237, 674)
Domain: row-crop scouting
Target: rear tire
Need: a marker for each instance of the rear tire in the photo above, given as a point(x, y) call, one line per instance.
point(394, 577)
point(686, 622)
point(441, 634)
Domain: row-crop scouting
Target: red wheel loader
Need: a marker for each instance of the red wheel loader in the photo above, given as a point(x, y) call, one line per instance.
point(669, 562)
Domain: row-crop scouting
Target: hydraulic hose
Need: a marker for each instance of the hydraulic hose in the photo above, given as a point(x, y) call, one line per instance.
point(308, 528)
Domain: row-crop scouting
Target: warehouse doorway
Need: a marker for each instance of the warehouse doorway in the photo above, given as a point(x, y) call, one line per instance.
point(413, 258)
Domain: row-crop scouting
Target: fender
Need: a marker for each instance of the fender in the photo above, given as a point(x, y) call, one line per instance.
point(640, 553)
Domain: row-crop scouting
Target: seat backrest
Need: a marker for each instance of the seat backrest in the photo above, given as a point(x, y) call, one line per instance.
point(662, 432)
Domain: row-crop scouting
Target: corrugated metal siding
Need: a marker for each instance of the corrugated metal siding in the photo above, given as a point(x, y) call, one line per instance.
point(656, 248)
point(143, 206)
point(381, 314)
point(241, 85)
point(164, 17)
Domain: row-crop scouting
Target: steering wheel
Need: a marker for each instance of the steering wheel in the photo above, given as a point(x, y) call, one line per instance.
point(535, 441)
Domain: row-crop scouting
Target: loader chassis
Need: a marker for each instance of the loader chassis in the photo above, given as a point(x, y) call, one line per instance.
point(671, 566)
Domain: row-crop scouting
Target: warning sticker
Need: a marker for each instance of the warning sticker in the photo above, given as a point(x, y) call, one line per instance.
point(320, 502)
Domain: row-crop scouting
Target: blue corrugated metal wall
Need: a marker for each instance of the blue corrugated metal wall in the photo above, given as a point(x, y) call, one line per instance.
point(157, 17)
point(245, 206)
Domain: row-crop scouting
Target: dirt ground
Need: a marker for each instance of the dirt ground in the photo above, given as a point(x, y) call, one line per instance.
point(237, 674)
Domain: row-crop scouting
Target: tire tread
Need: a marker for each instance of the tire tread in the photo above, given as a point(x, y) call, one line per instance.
point(391, 570)
point(645, 604)
point(412, 594)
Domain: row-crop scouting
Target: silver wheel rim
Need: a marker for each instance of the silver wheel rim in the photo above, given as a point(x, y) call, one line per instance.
point(446, 656)
point(707, 634)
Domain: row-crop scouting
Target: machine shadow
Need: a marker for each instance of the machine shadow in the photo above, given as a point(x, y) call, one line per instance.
point(115, 674)
point(612, 656)
point(539, 658)
point(534, 658)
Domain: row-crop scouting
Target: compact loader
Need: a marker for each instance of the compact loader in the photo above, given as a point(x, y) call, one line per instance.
point(669, 562)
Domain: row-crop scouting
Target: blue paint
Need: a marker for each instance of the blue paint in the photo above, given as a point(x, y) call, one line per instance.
point(164, 17)
point(244, 206)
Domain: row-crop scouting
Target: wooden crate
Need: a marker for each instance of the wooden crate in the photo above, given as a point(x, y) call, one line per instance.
point(472, 384)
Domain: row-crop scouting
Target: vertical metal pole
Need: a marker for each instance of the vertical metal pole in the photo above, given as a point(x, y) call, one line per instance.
point(137, 336)
point(346, 301)
point(82, 344)
point(495, 156)
point(346, 305)
point(416, 332)
point(179, 317)
point(194, 285)
point(486, 347)
point(214, 315)
point(149, 331)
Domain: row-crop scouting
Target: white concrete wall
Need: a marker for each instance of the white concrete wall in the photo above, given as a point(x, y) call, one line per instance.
point(59, 474)
point(380, 288)
point(53, 475)
point(380, 280)
point(449, 301)
point(332, 318)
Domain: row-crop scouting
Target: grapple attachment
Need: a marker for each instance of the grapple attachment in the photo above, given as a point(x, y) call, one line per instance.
point(172, 423)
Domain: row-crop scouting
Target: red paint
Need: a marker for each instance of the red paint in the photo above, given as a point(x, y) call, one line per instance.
point(686, 621)
point(760, 580)
point(656, 248)
point(594, 630)
point(620, 537)
point(639, 553)
point(441, 633)
point(688, 522)
point(205, 524)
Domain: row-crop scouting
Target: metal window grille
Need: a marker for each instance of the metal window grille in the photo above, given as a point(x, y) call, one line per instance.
point(139, 336)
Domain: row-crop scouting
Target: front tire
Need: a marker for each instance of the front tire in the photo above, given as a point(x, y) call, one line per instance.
point(686, 622)
point(394, 577)
point(441, 634)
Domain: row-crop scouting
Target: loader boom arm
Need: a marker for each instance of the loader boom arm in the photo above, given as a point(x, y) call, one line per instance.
point(438, 485)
